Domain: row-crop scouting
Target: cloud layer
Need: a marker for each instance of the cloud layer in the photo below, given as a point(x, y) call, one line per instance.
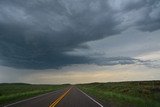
point(38, 34)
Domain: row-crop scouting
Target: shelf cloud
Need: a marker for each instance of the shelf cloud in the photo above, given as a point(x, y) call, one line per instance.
point(38, 34)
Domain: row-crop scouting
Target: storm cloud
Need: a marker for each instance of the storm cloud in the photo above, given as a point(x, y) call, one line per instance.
point(37, 34)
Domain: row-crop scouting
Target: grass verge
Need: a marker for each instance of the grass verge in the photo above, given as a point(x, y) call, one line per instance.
point(125, 94)
point(14, 92)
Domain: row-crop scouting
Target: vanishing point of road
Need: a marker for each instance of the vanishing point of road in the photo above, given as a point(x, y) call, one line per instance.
point(69, 97)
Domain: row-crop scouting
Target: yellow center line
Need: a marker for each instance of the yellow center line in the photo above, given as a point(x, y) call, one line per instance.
point(59, 99)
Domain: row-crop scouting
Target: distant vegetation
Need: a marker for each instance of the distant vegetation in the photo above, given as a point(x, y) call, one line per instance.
point(125, 94)
point(18, 91)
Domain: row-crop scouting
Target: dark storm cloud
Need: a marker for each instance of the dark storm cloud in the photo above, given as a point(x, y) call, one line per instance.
point(37, 34)
point(151, 16)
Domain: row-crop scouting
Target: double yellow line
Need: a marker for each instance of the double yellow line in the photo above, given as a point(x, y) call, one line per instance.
point(59, 99)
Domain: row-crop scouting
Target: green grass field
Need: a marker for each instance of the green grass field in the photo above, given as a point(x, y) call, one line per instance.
point(116, 94)
point(18, 91)
point(125, 94)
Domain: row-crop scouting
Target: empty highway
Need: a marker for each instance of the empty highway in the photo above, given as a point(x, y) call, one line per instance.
point(69, 97)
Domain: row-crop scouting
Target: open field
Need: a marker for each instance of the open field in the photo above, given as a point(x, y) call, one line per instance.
point(113, 94)
point(125, 94)
point(18, 91)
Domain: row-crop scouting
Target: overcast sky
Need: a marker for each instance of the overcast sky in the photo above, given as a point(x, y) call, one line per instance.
point(77, 41)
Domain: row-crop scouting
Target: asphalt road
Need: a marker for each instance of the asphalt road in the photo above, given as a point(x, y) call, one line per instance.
point(69, 97)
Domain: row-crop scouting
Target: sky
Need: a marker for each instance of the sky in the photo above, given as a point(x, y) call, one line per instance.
point(79, 41)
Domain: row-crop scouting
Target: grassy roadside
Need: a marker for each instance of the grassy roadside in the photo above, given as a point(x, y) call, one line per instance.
point(125, 94)
point(13, 92)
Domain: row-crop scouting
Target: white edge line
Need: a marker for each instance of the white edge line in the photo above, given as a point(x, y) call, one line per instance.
point(91, 98)
point(29, 98)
